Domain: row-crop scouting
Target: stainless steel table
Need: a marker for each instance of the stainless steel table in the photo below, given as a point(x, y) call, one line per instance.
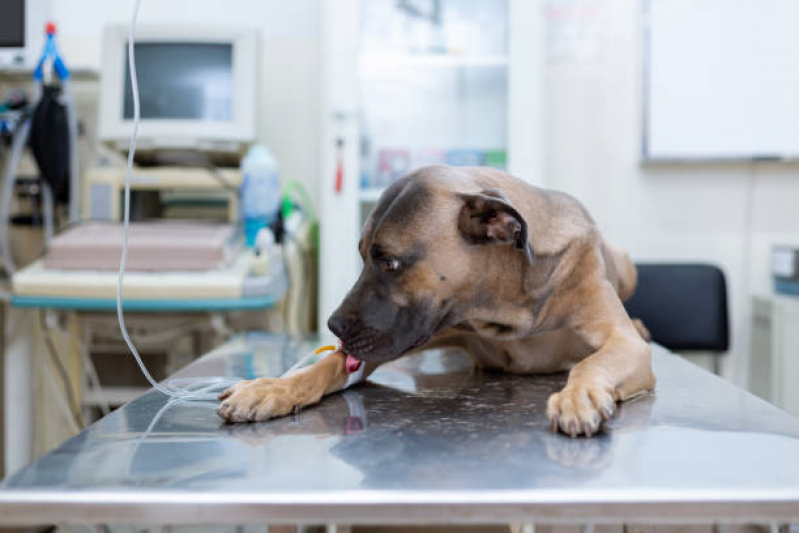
point(426, 441)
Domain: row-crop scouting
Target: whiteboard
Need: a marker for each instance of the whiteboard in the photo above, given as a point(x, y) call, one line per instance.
point(721, 79)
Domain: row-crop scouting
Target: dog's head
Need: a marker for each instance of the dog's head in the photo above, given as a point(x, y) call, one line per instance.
point(427, 250)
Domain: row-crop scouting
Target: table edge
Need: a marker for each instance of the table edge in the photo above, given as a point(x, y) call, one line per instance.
point(399, 507)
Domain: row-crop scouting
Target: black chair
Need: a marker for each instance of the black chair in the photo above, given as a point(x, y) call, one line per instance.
point(684, 307)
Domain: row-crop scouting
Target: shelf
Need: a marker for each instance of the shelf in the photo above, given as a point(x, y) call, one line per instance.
point(370, 195)
point(16, 73)
point(370, 62)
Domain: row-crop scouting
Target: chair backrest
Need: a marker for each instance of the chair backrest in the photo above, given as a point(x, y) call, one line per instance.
point(684, 306)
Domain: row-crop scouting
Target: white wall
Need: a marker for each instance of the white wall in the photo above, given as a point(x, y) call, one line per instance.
point(726, 214)
point(288, 97)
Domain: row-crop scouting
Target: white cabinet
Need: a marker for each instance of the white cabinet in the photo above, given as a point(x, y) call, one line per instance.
point(408, 83)
point(774, 361)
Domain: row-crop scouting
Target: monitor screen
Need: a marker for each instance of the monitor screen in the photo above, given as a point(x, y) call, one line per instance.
point(12, 24)
point(182, 81)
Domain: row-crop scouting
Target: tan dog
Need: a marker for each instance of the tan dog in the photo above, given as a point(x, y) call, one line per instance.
point(518, 277)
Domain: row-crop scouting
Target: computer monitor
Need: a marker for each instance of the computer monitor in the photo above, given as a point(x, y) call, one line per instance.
point(196, 88)
point(21, 32)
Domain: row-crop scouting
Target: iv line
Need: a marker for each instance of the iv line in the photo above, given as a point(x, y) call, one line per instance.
point(193, 388)
point(207, 391)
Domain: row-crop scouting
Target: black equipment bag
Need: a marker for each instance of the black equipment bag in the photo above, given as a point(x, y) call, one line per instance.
point(49, 142)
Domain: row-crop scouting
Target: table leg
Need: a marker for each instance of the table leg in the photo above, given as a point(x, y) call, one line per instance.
point(18, 401)
point(58, 376)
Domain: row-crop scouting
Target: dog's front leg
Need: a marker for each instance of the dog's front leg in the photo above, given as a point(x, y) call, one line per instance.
point(261, 399)
point(620, 367)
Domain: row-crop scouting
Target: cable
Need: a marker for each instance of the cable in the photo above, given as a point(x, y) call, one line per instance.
point(186, 388)
point(69, 416)
point(94, 380)
point(220, 178)
point(93, 377)
point(62, 372)
point(18, 143)
point(307, 204)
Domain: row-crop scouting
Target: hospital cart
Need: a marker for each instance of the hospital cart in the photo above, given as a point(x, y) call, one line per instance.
point(71, 298)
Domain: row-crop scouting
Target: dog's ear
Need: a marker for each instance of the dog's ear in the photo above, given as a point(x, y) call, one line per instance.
point(489, 217)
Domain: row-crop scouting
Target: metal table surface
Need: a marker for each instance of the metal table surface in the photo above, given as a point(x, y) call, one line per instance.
point(425, 441)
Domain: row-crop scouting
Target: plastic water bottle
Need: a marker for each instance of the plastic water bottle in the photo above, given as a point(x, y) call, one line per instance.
point(260, 191)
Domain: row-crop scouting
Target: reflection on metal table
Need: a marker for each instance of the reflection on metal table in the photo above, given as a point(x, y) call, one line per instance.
point(427, 440)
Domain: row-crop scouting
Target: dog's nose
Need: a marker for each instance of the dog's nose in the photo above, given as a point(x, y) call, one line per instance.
point(339, 325)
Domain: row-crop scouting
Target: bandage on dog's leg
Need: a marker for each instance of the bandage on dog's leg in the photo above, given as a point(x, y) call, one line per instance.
point(261, 399)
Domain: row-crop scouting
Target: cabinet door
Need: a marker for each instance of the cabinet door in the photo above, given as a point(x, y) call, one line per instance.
point(526, 89)
point(339, 220)
point(434, 87)
point(409, 83)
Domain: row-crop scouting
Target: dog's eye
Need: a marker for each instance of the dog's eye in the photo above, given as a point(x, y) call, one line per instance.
point(390, 264)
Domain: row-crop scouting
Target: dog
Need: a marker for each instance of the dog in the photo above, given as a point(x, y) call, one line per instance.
point(516, 276)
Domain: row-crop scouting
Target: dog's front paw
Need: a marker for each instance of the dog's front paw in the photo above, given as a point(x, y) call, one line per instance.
point(581, 409)
point(258, 400)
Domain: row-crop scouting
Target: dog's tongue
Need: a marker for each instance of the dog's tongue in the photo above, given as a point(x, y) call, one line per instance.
point(352, 364)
